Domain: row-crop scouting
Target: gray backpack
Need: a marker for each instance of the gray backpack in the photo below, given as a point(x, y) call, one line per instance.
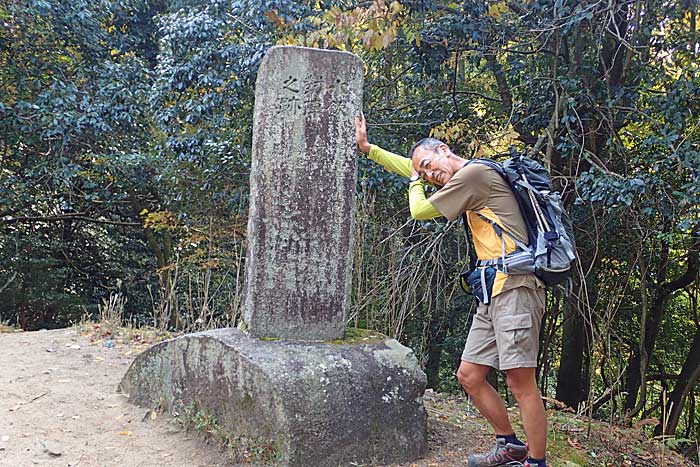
point(551, 249)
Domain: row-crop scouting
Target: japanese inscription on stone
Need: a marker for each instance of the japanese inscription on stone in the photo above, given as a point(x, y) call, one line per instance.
point(308, 95)
point(302, 182)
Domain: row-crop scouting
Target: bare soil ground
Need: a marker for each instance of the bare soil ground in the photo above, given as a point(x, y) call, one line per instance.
point(59, 407)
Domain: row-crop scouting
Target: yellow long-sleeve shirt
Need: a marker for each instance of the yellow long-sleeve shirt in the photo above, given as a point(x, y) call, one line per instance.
point(421, 208)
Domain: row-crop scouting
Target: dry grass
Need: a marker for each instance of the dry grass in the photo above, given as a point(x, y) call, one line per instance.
point(137, 339)
point(5, 328)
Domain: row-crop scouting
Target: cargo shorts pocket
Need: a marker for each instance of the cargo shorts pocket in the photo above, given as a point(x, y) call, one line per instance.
point(516, 328)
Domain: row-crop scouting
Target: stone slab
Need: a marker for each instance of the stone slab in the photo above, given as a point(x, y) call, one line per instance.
point(318, 404)
point(302, 186)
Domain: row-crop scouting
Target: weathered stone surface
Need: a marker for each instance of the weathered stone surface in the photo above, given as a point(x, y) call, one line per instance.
point(302, 184)
point(320, 404)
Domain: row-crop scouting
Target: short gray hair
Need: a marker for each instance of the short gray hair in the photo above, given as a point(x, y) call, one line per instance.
point(430, 144)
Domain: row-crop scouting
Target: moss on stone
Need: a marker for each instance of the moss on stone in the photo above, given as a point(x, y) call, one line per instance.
point(358, 336)
point(5, 327)
point(247, 400)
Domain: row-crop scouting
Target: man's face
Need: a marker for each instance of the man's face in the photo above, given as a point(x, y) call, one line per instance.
point(433, 166)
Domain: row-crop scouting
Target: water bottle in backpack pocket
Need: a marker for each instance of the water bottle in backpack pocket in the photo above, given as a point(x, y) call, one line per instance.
point(555, 252)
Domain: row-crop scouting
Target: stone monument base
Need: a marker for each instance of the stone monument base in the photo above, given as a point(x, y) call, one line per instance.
point(317, 404)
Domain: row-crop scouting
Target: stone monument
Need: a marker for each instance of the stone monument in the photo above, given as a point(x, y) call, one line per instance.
point(302, 182)
point(313, 397)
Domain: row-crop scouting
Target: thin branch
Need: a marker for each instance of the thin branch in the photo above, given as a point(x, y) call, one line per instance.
point(10, 281)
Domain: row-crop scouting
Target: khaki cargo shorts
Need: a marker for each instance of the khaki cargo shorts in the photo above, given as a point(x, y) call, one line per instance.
point(505, 334)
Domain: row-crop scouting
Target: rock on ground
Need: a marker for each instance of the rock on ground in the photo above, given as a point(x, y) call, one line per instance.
point(314, 404)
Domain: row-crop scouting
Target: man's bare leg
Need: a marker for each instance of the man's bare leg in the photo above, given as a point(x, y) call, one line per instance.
point(523, 385)
point(472, 377)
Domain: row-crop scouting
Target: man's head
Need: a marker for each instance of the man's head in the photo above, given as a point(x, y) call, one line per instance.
point(434, 161)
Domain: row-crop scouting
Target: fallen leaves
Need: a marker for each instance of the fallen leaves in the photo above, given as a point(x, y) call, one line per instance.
point(559, 405)
point(574, 443)
point(150, 414)
point(646, 421)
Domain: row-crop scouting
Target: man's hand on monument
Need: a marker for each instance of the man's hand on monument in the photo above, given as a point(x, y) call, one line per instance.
point(361, 133)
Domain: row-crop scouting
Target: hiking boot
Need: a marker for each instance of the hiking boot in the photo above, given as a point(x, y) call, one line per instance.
point(502, 455)
point(527, 464)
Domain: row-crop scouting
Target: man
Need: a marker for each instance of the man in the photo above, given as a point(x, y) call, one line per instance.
point(505, 330)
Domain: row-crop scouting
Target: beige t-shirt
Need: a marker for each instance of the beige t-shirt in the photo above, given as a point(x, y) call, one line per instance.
point(477, 187)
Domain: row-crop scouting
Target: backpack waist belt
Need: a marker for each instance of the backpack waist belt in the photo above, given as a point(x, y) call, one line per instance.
point(518, 262)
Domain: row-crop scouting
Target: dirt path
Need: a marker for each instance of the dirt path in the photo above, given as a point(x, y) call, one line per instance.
point(59, 407)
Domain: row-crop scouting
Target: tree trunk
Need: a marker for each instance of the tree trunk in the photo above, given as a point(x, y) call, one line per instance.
point(653, 322)
point(162, 250)
point(507, 97)
point(438, 332)
point(686, 381)
point(547, 332)
point(571, 387)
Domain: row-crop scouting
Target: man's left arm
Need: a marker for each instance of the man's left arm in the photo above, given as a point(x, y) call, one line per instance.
point(421, 208)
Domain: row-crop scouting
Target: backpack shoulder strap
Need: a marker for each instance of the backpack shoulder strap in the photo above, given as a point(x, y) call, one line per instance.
point(531, 232)
point(489, 163)
point(470, 243)
point(500, 231)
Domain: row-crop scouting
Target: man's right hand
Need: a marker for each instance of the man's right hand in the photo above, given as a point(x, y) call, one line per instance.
point(361, 133)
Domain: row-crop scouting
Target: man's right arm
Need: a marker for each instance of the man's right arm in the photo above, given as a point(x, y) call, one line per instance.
point(421, 208)
point(390, 161)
